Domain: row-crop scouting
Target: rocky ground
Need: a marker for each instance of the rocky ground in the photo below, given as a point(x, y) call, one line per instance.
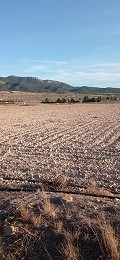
point(61, 149)
point(80, 142)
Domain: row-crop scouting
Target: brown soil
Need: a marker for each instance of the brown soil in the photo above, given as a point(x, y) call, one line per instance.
point(65, 145)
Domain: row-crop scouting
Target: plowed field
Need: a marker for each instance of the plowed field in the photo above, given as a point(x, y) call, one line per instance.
point(78, 141)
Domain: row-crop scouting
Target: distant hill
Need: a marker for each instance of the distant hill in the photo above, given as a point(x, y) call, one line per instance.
point(95, 90)
point(33, 84)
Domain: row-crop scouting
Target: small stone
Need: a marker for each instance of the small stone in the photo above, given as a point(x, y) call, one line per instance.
point(56, 200)
point(9, 230)
point(36, 176)
point(67, 198)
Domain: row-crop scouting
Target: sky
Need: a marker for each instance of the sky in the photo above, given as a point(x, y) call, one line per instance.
point(72, 41)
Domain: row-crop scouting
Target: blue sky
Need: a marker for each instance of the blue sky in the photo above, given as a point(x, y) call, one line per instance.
point(73, 41)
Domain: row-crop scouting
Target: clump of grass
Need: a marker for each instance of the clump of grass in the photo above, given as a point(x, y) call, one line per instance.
point(69, 250)
point(48, 209)
point(109, 240)
point(37, 220)
point(58, 226)
point(24, 212)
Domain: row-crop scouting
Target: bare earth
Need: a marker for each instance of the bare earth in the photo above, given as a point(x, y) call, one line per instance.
point(80, 142)
point(67, 145)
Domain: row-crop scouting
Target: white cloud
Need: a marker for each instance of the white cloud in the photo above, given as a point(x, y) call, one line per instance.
point(86, 78)
point(71, 72)
point(35, 68)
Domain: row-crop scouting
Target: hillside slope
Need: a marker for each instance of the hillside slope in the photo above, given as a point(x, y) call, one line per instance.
point(33, 84)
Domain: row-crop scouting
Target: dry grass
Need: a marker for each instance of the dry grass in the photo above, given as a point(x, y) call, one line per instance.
point(48, 209)
point(58, 226)
point(37, 220)
point(106, 237)
point(24, 212)
point(69, 250)
point(59, 237)
point(109, 240)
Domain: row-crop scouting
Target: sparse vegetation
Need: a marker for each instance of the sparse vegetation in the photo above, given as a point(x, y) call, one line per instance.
point(3, 102)
point(109, 240)
point(39, 235)
point(86, 99)
point(61, 101)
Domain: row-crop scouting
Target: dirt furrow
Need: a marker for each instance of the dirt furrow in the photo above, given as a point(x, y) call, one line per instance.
point(106, 135)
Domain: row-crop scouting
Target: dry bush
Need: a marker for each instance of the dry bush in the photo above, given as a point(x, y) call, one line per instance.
point(109, 240)
point(69, 250)
point(24, 212)
point(36, 220)
point(48, 209)
point(58, 227)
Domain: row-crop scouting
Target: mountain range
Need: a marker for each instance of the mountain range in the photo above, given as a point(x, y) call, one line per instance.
point(33, 84)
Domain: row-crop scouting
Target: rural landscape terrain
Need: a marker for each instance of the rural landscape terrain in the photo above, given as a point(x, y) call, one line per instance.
point(60, 130)
point(59, 176)
point(36, 85)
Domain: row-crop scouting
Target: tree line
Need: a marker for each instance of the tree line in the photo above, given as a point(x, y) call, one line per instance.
point(85, 99)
